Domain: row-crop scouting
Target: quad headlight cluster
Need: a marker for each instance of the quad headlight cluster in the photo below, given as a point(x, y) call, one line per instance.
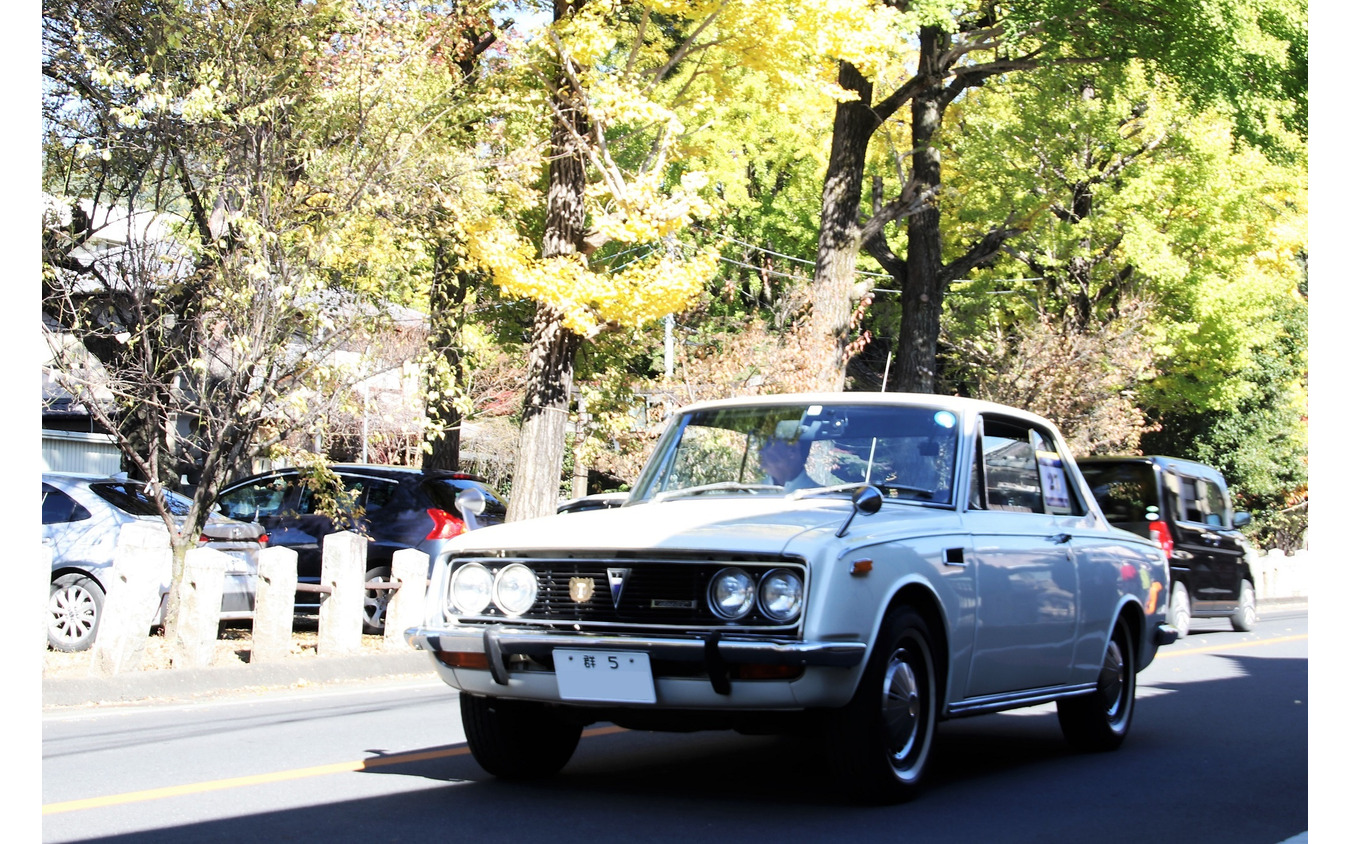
point(512, 589)
point(734, 592)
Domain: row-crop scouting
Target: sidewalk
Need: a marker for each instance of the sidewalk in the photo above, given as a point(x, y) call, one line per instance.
point(187, 685)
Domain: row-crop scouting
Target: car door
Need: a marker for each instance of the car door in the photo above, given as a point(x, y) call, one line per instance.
point(1206, 540)
point(270, 501)
point(74, 535)
point(1028, 606)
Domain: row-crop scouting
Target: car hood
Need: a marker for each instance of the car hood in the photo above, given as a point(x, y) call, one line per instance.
point(742, 524)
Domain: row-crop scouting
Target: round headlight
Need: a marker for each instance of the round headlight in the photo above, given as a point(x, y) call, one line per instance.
point(471, 589)
point(732, 593)
point(780, 595)
point(516, 589)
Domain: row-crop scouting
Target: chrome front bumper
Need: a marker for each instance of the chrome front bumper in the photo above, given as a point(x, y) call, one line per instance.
point(714, 650)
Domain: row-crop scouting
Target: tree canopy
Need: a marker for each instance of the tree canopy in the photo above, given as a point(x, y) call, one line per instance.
point(1097, 210)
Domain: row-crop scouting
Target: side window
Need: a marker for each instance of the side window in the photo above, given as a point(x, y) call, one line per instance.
point(1202, 502)
point(378, 494)
point(1024, 472)
point(977, 478)
point(1010, 470)
point(57, 507)
point(264, 498)
point(1217, 512)
point(1189, 500)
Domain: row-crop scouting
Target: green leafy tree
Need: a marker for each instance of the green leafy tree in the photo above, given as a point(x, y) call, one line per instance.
point(1243, 55)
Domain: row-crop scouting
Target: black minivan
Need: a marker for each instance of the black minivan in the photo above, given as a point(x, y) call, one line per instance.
point(1186, 507)
point(395, 507)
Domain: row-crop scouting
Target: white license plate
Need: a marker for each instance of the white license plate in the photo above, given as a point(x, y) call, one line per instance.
point(608, 676)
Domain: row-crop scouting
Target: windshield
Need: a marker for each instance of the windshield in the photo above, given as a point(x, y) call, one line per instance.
point(907, 452)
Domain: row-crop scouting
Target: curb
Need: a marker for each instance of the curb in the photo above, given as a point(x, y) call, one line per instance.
point(186, 685)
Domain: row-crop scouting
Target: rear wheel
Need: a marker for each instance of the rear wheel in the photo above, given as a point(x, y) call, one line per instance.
point(74, 610)
point(879, 743)
point(376, 601)
point(515, 739)
point(1179, 609)
point(1101, 720)
point(1244, 617)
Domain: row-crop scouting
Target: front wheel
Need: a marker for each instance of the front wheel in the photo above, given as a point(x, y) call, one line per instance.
point(879, 743)
point(1101, 720)
point(1243, 618)
point(515, 739)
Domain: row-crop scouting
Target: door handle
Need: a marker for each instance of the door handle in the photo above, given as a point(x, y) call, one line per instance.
point(1060, 538)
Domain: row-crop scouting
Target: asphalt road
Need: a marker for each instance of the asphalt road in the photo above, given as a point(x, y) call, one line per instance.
point(1218, 752)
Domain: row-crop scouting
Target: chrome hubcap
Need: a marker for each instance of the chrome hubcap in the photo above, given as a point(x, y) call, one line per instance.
point(901, 708)
point(1111, 683)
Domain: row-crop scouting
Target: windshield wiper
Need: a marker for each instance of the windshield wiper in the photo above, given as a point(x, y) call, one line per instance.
point(917, 490)
point(722, 486)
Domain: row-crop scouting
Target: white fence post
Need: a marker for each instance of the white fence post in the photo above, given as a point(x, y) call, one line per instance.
point(405, 605)
point(142, 567)
point(344, 571)
point(199, 608)
point(274, 605)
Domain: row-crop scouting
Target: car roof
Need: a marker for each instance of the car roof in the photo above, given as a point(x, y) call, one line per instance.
point(960, 405)
point(1190, 467)
point(371, 470)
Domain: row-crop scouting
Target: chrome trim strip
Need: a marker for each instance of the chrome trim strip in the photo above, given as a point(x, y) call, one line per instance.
point(498, 640)
point(1014, 700)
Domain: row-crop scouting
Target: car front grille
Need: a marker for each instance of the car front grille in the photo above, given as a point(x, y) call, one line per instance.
point(623, 592)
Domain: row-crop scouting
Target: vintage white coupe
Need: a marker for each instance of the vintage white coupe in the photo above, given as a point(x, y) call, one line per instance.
point(859, 565)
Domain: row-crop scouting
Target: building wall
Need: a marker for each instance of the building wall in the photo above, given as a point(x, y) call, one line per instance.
point(72, 451)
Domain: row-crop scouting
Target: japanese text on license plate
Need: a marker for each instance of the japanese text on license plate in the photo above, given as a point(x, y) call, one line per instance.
point(609, 676)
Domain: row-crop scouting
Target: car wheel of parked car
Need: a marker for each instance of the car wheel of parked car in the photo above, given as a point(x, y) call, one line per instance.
point(1244, 617)
point(377, 601)
point(74, 608)
point(1100, 720)
point(1179, 610)
point(879, 743)
point(515, 739)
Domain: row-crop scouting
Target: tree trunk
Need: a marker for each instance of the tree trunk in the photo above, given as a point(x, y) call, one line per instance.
point(925, 282)
point(449, 286)
point(553, 347)
point(543, 432)
point(837, 248)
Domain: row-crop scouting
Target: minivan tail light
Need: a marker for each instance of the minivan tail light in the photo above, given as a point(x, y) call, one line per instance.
point(444, 525)
point(1158, 532)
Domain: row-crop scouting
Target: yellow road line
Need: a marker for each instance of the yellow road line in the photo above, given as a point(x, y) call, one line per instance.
point(1165, 652)
point(262, 779)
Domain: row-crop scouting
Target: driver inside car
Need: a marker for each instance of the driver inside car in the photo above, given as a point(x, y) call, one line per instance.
point(785, 462)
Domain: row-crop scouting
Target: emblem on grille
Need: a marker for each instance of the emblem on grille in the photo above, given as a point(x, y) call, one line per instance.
point(616, 579)
point(581, 589)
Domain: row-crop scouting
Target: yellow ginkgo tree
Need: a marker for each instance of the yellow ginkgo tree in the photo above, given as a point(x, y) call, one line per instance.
point(630, 87)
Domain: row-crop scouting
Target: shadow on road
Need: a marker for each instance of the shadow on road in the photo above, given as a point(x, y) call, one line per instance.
point(1203, 757)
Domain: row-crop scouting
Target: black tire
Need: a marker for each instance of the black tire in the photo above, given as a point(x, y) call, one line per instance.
point(1100, 721)
point(376, 601)
point(879, 743)
point(517, 740)
point(74, 611)
point(1179, 609)
point(1243, 618)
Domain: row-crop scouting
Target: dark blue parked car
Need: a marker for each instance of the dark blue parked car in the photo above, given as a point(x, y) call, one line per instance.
point(395, 507)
